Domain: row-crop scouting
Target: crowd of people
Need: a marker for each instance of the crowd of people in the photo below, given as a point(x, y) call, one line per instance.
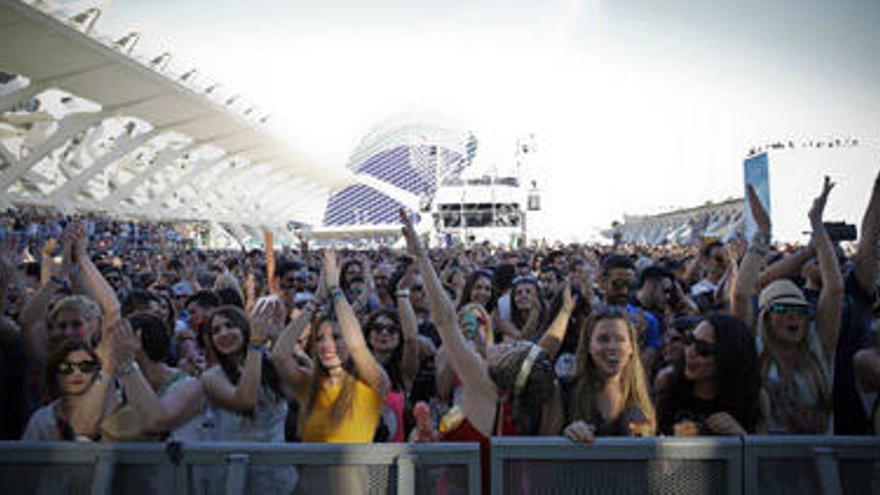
point(112, 333)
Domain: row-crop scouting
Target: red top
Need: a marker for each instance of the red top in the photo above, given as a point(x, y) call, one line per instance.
point(465, 432)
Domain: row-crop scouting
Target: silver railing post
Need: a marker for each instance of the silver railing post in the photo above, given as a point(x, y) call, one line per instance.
point(236, 473)
point(406, 474)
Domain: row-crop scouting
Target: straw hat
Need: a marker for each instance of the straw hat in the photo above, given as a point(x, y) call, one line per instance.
point(782, 291)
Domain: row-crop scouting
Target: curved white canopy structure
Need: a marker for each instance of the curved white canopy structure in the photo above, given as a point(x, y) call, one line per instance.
point(86, 126)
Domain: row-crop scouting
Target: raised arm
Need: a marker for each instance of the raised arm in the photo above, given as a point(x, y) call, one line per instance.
point(294, 368)
point(33, 317)
point(746, 284)
point(368, 368)
point(865, 260)
point(466, 363)
point(409, 361)
point(552, 339)
point(787, 266)
point(93, 282)
point(830, 306)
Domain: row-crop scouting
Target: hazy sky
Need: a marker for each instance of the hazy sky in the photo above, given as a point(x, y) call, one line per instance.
point(636, 105)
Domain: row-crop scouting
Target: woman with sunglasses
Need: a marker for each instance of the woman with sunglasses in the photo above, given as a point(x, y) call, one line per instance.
point(716, 389)
point(796, 345)
point(392, 336)
point(79, 378)
point(611, 391)
point(672, 353)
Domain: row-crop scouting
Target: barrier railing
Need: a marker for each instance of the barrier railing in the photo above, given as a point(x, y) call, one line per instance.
point(234, 468)
point(724, 465)
point(821, 464)
point(617, 465)
point(729, 465)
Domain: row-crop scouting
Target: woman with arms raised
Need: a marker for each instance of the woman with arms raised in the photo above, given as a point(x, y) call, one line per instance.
point(340, 386)
point(796, 345)
point(513, 392)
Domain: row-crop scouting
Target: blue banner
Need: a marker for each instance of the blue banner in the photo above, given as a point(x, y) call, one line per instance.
point(756, 173)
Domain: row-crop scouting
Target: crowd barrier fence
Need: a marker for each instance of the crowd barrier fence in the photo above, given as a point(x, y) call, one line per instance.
point(684, 465)
point(236, 468)
point(519, 465)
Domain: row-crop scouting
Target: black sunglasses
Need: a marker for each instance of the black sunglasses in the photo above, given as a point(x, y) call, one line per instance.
point(66, 368)
point(703, 348)
point(621, 283)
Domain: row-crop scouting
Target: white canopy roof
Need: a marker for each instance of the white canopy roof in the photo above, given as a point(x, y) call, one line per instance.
point(86, 126)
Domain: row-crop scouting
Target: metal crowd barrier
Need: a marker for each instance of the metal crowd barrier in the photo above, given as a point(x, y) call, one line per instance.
point(821, 464)
point(519, 465)
point(657, 465)
point(524, 465)
point(236, 468)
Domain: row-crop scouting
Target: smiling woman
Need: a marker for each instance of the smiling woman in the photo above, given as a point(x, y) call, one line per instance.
point(716, 390)
point(611, 392)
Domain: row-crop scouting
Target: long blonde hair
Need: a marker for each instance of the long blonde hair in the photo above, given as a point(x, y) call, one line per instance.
point(816, 377)
point(633, 381)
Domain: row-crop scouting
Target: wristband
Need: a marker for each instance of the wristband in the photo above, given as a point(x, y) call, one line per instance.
point(63, 282)
point(760, 238)
point(258, 347)
point(402, 293)
point(336, 293)
point(128, 369)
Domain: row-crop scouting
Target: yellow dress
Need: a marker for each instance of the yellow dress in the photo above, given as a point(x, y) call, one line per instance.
point(358, 426)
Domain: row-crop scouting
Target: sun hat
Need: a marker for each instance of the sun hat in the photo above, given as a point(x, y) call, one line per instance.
point(782, 292)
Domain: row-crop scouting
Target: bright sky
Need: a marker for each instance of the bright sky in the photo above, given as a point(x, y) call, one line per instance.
point(637, 105)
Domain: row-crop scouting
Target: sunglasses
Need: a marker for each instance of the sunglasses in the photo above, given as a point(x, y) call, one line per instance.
point(525, 279)
point(72, 324)
point(392, 329)
point(622, 284)
point(66, 368)
point(719, 259)
point(703, 348)
point(784, 309)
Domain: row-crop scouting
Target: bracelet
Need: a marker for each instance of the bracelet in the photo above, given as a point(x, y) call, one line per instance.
point(759, 250)
point(337, 294)
point(63, 282)
point(128, 369)
point(760, 238)
point(255, 346)
point(402, 293)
